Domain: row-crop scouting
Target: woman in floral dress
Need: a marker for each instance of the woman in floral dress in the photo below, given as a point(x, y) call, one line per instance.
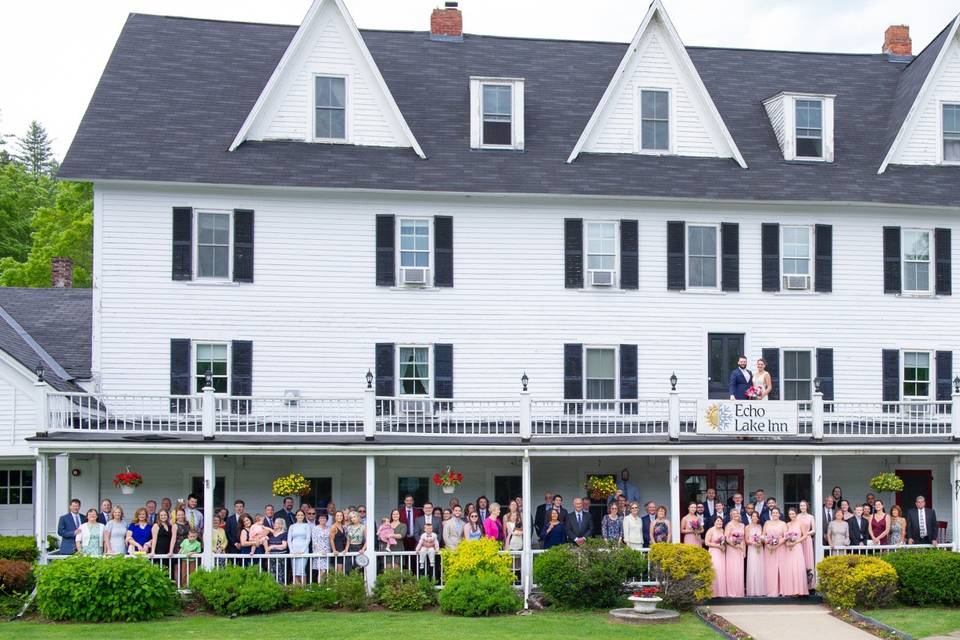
point(660, 527)
point(321, 544)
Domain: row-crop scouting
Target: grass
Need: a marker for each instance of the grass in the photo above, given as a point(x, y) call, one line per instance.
point(918, 622)
point(362, 626)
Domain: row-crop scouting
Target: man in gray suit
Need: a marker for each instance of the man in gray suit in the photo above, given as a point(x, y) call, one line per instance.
point(67, 529)
point(428, 518)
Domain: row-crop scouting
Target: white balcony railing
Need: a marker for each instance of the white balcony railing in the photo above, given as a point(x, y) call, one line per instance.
point(551, 418)
point(883, 419)
point(289, 415)
point(448, 417)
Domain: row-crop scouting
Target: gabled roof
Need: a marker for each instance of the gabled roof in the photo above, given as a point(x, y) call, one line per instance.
point(656, 10)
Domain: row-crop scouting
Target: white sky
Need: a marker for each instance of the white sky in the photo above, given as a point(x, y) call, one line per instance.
point(55, 50)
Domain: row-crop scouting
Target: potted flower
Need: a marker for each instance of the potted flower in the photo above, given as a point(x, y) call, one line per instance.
point(645, 600)
point(448, 479)
point(127, 482)
point(290, 485)
point(887, 482)
point(601, 487)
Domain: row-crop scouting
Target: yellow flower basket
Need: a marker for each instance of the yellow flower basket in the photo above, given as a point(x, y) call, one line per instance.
point(293, 484)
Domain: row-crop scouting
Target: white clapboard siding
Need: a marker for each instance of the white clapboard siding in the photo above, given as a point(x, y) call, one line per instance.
point(18, 412)
point(774, 108)
point(314, 312)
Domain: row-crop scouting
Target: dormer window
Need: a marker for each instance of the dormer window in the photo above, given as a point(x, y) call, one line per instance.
point(951, 133)
point(654, 120)
point(803, 124)
point(496, 113)
point(809, 128)
point(330, 109)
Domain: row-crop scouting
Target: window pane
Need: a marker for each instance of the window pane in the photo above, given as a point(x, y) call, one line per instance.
point(600, 363)
point(655, 120)
point(809, 148)
point(213, 245)
point(702, 250)
point(951, 150)
point(331, 92)
point(809, 114)
point(497, 133)
point(497, 100)
point(951, 119)
point(916, 245)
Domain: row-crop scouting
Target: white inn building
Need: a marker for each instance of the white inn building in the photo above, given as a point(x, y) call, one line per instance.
point(290, 208)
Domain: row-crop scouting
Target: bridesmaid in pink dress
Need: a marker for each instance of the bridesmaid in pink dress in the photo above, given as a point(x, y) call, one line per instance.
point(690, 526)
point(774, 533)
point(716, 543)
point(793, 572)
point(756, 587)
point(808, 525)
point(735, 553)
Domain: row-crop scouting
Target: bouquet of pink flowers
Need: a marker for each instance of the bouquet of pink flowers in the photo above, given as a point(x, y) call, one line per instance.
point(757, 538)
point(772, 541)
point(792, 537)
point(736, 538)
point(722, 541)
point(754, 393)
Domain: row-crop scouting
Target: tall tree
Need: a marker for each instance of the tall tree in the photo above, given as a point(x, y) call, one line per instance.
point(35, 151)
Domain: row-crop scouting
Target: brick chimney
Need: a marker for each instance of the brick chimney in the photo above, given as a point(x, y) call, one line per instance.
point(62, 273)
point(896, 40)
point(447, 23)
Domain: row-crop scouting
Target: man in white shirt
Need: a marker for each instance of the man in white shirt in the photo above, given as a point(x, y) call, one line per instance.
point(106, 511)
point(579, 524)
point(193, 514)
point(710, 505)
point(921, 524)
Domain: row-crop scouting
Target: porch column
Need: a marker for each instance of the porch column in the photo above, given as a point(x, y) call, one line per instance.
point(209, 483)
point(371, 528)
point(817, 508)
point(61, 472)
point(674, 509)
point(40, 480)
point(954, 502)
point(526, 560)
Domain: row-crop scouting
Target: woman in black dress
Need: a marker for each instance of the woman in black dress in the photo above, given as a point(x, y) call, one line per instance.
point(163, 541)
point(338, 540)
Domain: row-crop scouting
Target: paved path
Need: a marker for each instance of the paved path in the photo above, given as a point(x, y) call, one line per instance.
point(790, 622)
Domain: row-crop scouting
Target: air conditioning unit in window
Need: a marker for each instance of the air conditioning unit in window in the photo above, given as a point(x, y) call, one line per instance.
point(416, 276)
point(601, 278)
point(796, 283)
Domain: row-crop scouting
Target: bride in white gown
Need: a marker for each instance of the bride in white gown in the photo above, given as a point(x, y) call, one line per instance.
point(762, 379)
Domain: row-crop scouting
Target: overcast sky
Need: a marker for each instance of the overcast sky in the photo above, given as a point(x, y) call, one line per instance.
point(55, 50)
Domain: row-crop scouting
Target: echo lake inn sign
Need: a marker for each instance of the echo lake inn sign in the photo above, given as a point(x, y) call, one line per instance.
point(747, 417)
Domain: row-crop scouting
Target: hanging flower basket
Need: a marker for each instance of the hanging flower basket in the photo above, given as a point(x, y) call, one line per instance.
point(448, 479)
point(127, 482)
point(601, 487)
point(290, 485)
point(887, 482)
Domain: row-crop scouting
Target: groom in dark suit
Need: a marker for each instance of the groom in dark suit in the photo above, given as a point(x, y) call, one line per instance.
point(741, 379)
point(922, 524)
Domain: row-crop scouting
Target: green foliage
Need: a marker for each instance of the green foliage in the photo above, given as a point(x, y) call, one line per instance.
point(18, 548)
point(10, 605)
point(482, 594)
point(237, 590)
point(400, 590)
point(114, 589)
point(35, 152)
point(16, 576)
point(315, 596)
point(592, 576)
point(20, 197)
point(685, 574)
point(475, 557)
point(849, 581)
point(351, 590)
point(927, 578)
point(886, 482)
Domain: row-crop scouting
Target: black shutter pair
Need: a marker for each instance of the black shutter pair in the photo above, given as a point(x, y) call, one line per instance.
point(181, 373)
point(942, 278)
point(385, 379)
point(386, 269)
point(182, 259)
point(824, 371)
point(891, 375)
point(573, 356)
point(729, 256)
point(574, 255)
point(822, 255)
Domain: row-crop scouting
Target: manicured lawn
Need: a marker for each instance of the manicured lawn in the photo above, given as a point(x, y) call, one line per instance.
point(919, 623)
point(362, 626)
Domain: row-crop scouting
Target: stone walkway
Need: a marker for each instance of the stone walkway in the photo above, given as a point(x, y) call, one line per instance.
point(790, 622)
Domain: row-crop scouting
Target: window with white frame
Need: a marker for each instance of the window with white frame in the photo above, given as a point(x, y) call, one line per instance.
point(916, 375)
point(600, 378)
point(330, 108)
point(212, 357)
point(797, 375)
point(497, 115)
point(702, 256)
point(951, 133)
point(414, 373)
point(916, 260)
point(16, 486)
point(213, 245)
point(602, 253)
point(654, 120)
point(414, 250)
point(809, 128)
point(796, 257)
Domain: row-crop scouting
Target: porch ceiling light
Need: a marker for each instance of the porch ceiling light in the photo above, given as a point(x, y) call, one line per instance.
point(673, 381)
point(524, 380)
point(369, 377)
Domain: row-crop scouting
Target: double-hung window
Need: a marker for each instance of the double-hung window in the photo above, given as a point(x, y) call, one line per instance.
point(415, 251)
point(916, 375)
point(796, 257)
point(600, 378)
point(330, 108)
point(916, 260)
point(497, 115)
point(602, 253)
point(951, 133)
point(213, 245)
point(809, 128)
point(702, 256)
point(797, 375)
point(654, 120)
point(414, 373)
point(212, 357)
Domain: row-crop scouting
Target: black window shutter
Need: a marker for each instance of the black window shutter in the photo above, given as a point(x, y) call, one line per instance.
point(384, 353)
point(182, 243)
point(943, 278)
point(443, 251)
point(772, 358)
point(891, 375)
point(629, 254)
point(944, 374)
point(825, 373)
point(770, 256)
point(628, 379)
point(180, 375)
point(242, 245)
point(891, 262)
point(386, 272)
point(730, 256)
point(676, 250)
point(573, 253)
point(241, 374)
point(573, 377)
point(442, 372)
point(823, 256)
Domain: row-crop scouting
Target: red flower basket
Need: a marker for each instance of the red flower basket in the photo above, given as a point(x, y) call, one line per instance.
point(128, 481)
point(448, 479)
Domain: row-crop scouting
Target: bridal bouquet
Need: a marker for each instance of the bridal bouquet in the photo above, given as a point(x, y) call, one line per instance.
point(754, 393)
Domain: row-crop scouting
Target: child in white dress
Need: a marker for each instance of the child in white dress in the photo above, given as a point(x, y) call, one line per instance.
point(427, 546)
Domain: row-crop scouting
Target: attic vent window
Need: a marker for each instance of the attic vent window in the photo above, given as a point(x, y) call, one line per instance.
point(951, 133)
point(654, 120)
point(330, 105)
point(809, 115)
point(803, 124)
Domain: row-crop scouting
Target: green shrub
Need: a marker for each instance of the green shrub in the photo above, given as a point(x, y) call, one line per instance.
point(927, 578)
point(237, 590)
point(850, 581)
point(473, 557)
point(10, 605)
point(85, 589)
point(592, 576)
point(314, 596)
point(685, 574)
point(400, 590)
point(479, 595)
point(16, 576)
point(351, 590)
point(18, 548)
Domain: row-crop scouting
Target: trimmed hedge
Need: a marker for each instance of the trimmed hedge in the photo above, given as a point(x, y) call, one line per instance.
point(473, 557)
point(849, 581)
point(18, 548)
point(481, 594)
point(593, 576)
point(237, 590)
point(685, 574)
point(315, 596)
point(400, 590)
point(927, 578)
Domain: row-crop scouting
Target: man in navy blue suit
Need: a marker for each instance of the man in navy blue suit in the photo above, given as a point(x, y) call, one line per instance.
point(67, 528)
point(741, 379)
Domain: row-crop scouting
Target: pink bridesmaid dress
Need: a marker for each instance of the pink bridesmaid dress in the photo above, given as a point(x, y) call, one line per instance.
point(793, 571)
point(756, 587)
point(772, 557)
point(807, 525)
point(692, 538)
point(719, 564)
point(734, 561)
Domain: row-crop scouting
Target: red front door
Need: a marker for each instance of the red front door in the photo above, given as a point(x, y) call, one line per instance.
point(916, 482)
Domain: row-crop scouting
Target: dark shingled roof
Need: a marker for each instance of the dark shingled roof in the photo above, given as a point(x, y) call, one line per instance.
point(176, 91)
point(37, 324)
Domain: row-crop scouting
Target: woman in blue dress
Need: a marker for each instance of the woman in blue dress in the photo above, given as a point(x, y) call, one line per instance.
point(140, 533)
point(298, 539)
point(554, 531)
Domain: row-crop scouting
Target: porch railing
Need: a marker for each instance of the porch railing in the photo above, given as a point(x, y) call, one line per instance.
point(881, 419)
point(877, 549)
point(447, 417)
